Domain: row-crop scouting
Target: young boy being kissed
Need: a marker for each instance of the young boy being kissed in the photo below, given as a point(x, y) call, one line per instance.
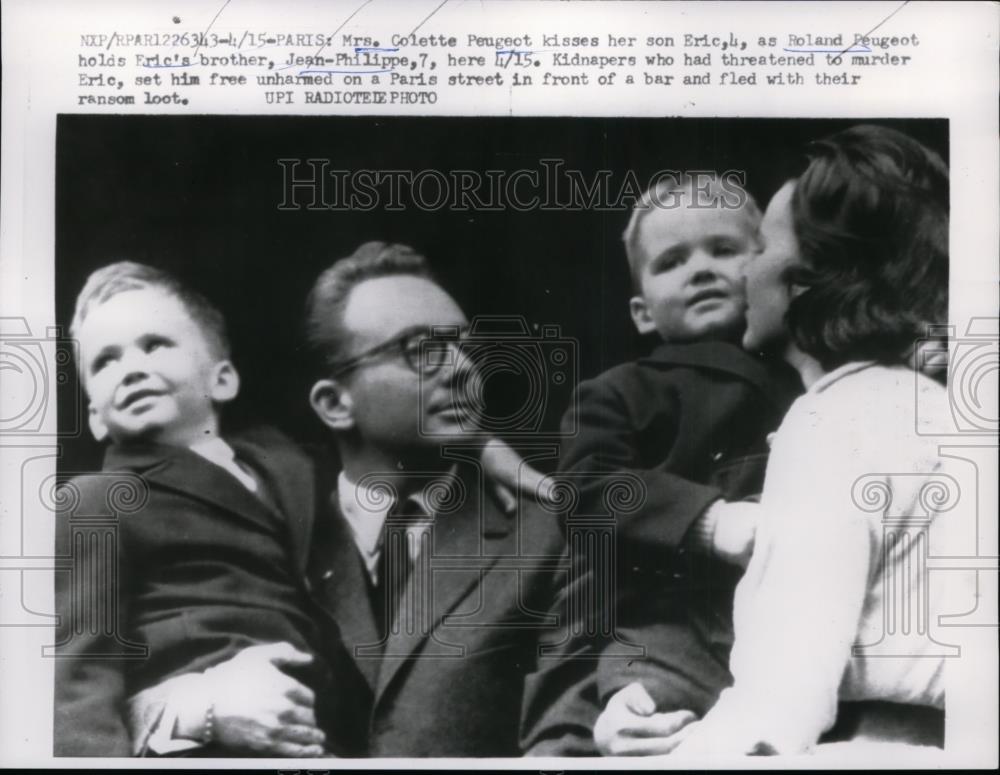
point(691, 421)
point(212, 562)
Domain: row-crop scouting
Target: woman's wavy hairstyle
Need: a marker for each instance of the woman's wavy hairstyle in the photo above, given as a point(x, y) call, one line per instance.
point(871, 217)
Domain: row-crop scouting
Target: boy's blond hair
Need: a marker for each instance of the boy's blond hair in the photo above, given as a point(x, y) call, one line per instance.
point(109, 281)
point(664, 195)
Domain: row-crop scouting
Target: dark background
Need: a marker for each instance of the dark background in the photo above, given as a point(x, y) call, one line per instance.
point(199, 196)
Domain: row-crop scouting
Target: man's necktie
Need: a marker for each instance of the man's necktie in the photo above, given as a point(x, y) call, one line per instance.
point(395, 563)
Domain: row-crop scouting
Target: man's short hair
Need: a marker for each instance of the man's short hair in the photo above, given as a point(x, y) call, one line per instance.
point(663, 194)
point(107, 282)
point(324, 323)
point(870, 214)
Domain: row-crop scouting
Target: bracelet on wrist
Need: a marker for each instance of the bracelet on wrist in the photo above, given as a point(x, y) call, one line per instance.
point(208, 731)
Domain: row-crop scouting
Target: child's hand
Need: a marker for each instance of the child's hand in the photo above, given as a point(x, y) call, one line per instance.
point(734, 531)
point(511, 476)
point(630, 725)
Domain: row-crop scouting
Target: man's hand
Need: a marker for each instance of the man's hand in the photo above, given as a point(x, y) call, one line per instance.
point(735, 529)
point(262, 710)
point(630, 725)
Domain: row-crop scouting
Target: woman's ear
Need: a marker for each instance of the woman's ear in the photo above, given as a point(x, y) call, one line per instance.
point(796, 279)
point(640, 315)
point(97, 426)
point(225, 382)
point(332, 404)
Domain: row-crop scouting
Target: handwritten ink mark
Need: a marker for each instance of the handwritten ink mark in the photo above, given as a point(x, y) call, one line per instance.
point(344, 24)
point(209, 27)
point(852, 49)
point(901, 7)
point(345, 72)
point(428, 17)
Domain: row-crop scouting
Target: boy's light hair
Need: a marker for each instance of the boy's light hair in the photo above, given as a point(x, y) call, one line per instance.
point(107, 282)
point(724, 191)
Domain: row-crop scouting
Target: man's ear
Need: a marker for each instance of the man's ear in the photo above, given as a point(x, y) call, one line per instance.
point(640, 315)
point(332, 404)
point(97, 426)
point(225, 382)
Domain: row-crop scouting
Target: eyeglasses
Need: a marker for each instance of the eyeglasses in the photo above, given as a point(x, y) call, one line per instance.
point(425, 350)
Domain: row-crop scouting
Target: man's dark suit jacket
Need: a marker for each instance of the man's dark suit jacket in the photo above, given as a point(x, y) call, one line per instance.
point(449, 683)
point(198, 571)
point(691, 422)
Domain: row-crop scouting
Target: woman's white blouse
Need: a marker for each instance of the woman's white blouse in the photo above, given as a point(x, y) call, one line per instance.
point(837, 602)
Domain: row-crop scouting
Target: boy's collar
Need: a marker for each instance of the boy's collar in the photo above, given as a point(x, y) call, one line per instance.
point(143, 455)
point(137, 456)
point(721, 356)
point(727, 358)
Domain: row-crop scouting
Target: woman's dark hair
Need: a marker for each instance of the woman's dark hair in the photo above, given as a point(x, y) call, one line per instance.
point(871, 218)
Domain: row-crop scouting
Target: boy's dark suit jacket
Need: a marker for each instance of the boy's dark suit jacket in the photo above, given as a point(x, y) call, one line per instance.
point(454, 686)
point(691, 421)
point(204, 568)
point(202, 547)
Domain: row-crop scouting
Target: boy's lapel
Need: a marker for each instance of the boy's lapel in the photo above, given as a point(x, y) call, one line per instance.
point(184, 471)
point(338, 577)
point(289, 477)
point(777, 381)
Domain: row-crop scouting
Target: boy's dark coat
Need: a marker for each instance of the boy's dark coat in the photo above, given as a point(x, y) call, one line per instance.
point(454, 689)
point(185, 550)
point(691, 422)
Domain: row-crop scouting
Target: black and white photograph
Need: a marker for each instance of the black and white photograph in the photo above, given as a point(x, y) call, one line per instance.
point(562, 435)
point(450, 437)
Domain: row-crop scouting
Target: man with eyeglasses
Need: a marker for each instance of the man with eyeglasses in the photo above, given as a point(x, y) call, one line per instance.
point(436, 590)
point(431, 592)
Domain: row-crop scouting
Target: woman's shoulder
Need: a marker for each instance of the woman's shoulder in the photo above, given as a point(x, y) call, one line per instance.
point(869, 409)
point(863, 388)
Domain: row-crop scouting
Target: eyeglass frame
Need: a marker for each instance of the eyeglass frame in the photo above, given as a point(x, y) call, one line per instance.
point(453, 335)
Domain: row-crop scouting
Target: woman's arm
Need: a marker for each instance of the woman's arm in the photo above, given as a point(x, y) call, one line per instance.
point(798, 608)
